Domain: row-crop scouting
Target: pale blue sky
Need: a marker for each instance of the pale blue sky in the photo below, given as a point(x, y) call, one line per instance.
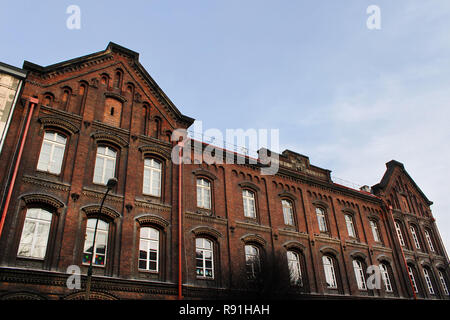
point(348, 97)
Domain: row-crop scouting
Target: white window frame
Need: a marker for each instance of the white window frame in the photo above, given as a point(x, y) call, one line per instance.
point(101, 161)
point(252, 261)
point(202, 251)
point(295, 270)
point(330, 274)
point(51, 139)
point(428, 281)
point(321, 219)
point(430, 242)
point(399, 233)
point(152, 167)
point(414, 235)
point(359, 274)
point(413, 280)
point(443, 283)
point(101, 232)
point(386, 279)
point(43, 220)
point(375, 230)
point(150, 244)
point(249, 200)
point(203, 193)
point(288, 212)
point(350, 225)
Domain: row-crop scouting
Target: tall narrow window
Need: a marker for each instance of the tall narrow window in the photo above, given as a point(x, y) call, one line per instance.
point(359, 274)
point(330, 275)
point(52, 152)
point(375, 231)
point(249, 203)
point(105, 165)
point(321, 219)
point(252, 261)
point(33, 242)
point(426, 274)
point(203, 194)
point(413, 280)
point(295, 271)
point(288, 212)
point(430, 242)
point(443, 282)
point(414, 235)
point(101, 240)
point(152, 177)
point(385, 276)
point(204, 258)
point(149, 249)
point(399, 233)
point(350, 226)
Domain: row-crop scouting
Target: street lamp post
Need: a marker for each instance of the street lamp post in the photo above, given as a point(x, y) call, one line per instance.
point(110, 184)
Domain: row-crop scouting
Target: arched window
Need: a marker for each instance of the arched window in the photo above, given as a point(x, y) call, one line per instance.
point(358, 268)
point(295, 270)
point(65, 99)
point(443, 281)
point(411, 274)
point(288, 212)
point(203, 193)
point(35, 234)
point(149, 249)
point(375, 230)
point(252, 261)
point(204, 253)
point(152, 177)
point(428, 280)
point(398, 228)
point(48, 100)
point(330, 274)
point(101, 241)
point(429, 240)
point(248, 198)
point(105, 164)
point(384, 269)
point(321, 219)
point(350, 225)
point(52, 152)
point(415, 236)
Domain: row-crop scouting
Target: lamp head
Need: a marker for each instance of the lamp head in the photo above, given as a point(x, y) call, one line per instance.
point(111, 183)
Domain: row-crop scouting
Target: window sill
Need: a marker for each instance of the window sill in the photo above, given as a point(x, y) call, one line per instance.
point(205, 278)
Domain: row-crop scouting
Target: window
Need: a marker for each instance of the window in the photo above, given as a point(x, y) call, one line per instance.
point(203, 194)
point(430, 242)
point(52, 152)
point(375, 230)
point(443, 282)
point(249, 203)
point(288, 212)
point(105, 165)
point(350, 225)
point(385, 276)
point(149, 249)
point(359, 274)
point(252, 261)
point(101, 240)
point(330, 276)
point(321, 219)
point(295, 271)
point(152, 177)
point(204, 258)
point(35, 232)
point(413, 280)
point(414, 235)
point(426, 273)
point(399, 233)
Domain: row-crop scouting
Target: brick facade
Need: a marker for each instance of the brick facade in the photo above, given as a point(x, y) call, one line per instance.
point(108, 99)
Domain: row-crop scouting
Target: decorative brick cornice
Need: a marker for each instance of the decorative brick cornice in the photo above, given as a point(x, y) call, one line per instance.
point(252, 226)
point(152, 206)
point(42, 198)
point(47, 184)
point(110, 137)
point(59, 123)
point(205, 219)
point(99, 195)
point(152, 219)
point(95, 209)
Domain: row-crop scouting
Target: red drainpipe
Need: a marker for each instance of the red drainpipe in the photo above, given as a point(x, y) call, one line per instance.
point(180, 274)
point(33, 103)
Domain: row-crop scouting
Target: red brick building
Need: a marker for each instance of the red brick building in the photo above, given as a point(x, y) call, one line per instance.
point(99, 116)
